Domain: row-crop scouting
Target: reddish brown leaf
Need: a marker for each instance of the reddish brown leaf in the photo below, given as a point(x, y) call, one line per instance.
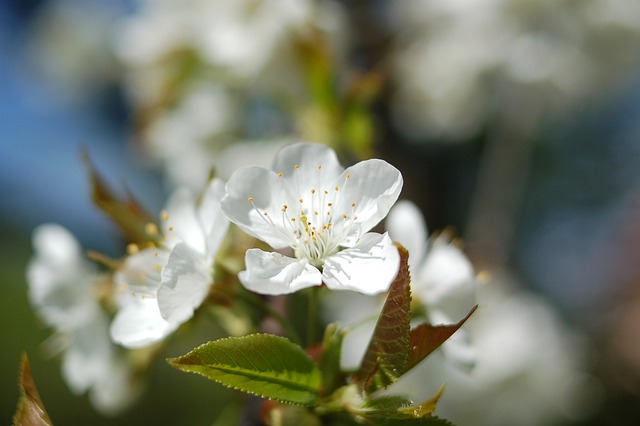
point(134, 222)
point(30, 411)
point(388, 349)
point(426, 338)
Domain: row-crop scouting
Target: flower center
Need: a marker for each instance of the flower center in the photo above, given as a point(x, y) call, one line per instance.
point(317, 226)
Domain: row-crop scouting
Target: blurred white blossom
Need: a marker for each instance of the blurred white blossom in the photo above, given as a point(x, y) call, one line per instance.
point(194, 68)
point(63, 289)
point(443, 285)
point(530, 369)
point(158, 288)
point(458, 62)
point(309, 203)
point(443, 281)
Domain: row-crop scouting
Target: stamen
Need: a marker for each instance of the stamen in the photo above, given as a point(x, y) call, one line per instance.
point(280, 174)
point(151, 229)
point(164, 215)
point(132, 248)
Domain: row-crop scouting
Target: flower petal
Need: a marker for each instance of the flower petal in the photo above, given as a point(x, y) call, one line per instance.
point(273, 273)
point(185, 283)
point(446, 282)
point(87, 353)
point(367, 191)
point(182, 222)
point(407, 226)
point(60, 280)
point(214, 222)
point(307, 157)
point(140, 273)
point(253, 192)
point(139, 324)
point(369, 267)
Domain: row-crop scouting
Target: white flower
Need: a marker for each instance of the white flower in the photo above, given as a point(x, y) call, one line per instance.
point(62, 290)
point(309, 203)
point(159, 288)
point(442, 281)
point(442, 278)
point(527, 359)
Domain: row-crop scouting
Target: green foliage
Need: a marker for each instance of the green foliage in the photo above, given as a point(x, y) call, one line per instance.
point(425, 421)
point(426, 338)
point(388, 349)
point(330, 358)
point(30, 411)
point(261, 364)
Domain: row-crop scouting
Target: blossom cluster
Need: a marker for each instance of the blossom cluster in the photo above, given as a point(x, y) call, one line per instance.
point(155, 289)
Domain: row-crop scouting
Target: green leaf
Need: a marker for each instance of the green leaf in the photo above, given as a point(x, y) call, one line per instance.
point(387, 354)
point(395, 407)
point(426, 338)
point(330, 358)
point(134, 222)
point(261, 364)
point(30, 411)
point(424, 421)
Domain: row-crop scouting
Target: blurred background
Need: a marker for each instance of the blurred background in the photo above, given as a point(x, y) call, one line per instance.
point(515, 122)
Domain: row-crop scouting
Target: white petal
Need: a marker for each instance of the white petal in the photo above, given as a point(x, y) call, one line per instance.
point(307, 156)
point(85, 358)
point(371, 187)
point(406, 225)
point(369, 267)
point(185, 283)
point(252, 192)
point(273, 273)
point(140, 273)
point(214, 222)
point(139, 324)
point(55, 244)
point(183, 223)
point(116, 390)
point(446, 282)
point(60, 280)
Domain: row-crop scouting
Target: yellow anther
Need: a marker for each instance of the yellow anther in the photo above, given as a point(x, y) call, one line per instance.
point(319, 166)
point(344, 216)
point(132, 248)
point(329, 204)
point(297, 167)
point(155, 253)
point(348, 175)
point(336, 187)
point(280, 174)
point(353, 204)
point(164, 215)
point(250, 199)
point(151, 229)
point(300, 200)
point(316, 213)
point(313, 191)
point(326, 192)
point(170, 228)
point(293, 219)
point(142, 297)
